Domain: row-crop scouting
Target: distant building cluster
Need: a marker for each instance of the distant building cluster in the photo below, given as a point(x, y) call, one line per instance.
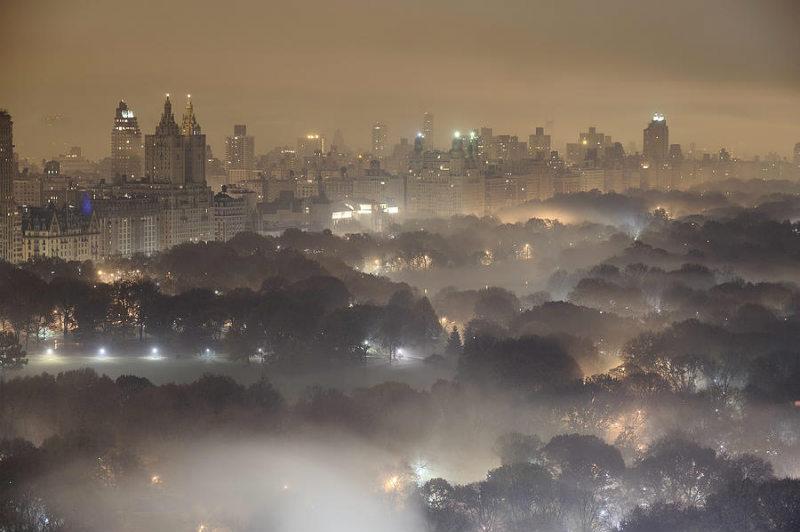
point(156, 191)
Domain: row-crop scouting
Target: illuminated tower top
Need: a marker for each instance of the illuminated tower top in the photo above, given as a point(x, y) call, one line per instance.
point(189, 126)
point(655, 147)
point(126, 144)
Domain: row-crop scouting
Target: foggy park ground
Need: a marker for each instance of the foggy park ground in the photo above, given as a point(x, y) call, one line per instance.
point(609, 342)
point(640, 353)
point(166, 368)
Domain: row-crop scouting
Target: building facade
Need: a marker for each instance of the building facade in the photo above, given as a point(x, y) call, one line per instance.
point(176, 155)
point(66, 233)
point(427, 130)
point(126, 146)
point(7, 171)
point(240, 155)
point(539, 145)
point(129, 224)
point(655, 145)
point(230, 216)
point(379, 140)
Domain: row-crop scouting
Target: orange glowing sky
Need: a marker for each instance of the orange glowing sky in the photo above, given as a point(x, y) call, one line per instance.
point(725, 72)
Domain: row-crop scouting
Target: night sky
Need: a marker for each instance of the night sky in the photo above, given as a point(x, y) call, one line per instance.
point(725, 72)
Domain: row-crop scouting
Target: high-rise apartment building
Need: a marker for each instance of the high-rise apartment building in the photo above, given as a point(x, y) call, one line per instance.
point(539, 145)
point(194, 147)
point(126, 146)
point(591, 145)
point(311, 145)
point(797, 154)
point(240, 154)
point(174, 155)
point(6, 186)
point(427, 130)
point(379, 139)
point(230, 215)
point(655, 146)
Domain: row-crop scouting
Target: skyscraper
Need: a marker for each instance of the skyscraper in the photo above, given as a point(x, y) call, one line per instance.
point(176, 155)
point(163, 160)
point(655, 147)
point(539, 145)
point(126, 146)
point(379, 136)
point(239, 154)
point(194, 147)
point(591, 146)
point(189, 125)
point(311, 145)
point(427, 130)
point(797, 154)
point(6, 184)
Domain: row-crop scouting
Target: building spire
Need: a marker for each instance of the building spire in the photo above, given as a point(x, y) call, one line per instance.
point(167, 125)
point(189, 125)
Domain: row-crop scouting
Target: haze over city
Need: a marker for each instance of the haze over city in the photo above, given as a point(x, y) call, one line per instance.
point(723, 70)
point(516, 266)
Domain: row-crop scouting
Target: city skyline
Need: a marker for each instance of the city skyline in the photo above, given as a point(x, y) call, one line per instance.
point(559, 142)
point(363, 266)
point(730, 83)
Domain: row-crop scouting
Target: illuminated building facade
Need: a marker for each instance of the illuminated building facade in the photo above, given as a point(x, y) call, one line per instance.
point(591, 145)
point(435, 196)
point(655, 147)
point(311, 145)
point(66, 233)
point(126, 146)
point(379, 139)
point(230, 216)
point(173, 155)
point(427, 130)
point(7, 172)
point(240, 156)
point(129, 224)
point(539, 145)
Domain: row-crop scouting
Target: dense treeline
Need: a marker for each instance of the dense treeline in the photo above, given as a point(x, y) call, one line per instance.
point(646, 380)
point(309, 316)
point(103, 435)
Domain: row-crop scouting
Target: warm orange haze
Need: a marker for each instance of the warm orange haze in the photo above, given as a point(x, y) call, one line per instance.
point(723, 70)
point(413, 266)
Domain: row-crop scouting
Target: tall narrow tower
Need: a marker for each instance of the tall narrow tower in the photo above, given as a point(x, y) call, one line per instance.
point(126, 146)
point(162, 150)
point(239, 154)
point(655, 146)
point(194, 147)
point(6, 182)
point(379, 136)
point(427, 130)
point(189, 125)
point(176, 155)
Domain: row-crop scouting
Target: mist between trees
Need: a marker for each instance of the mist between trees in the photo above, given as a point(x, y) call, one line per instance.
point(632, 363)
